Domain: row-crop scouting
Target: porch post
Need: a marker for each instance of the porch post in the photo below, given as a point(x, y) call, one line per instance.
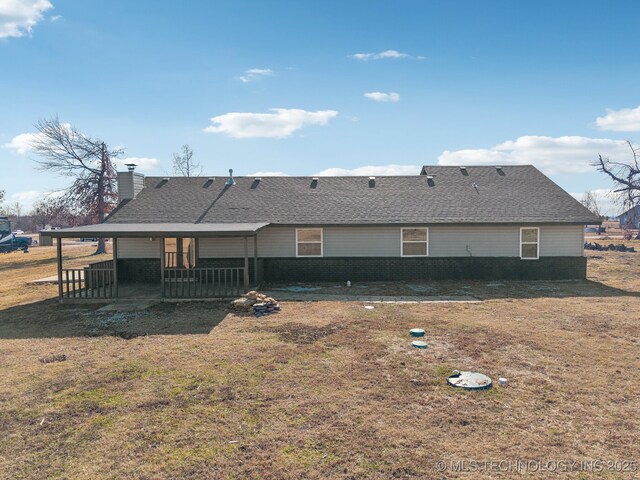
point(246, 264)
point(115, 266)
point(161, 266)
point(59, 259)
point(255, 260)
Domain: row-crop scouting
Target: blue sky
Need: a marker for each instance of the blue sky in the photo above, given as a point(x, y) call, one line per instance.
point(329, 87)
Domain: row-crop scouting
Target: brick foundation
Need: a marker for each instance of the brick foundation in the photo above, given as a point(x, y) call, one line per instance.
point(424, 268)
point(139, 270)
point(341, 269)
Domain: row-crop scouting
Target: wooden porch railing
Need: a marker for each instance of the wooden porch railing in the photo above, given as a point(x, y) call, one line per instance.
point(203, 282)
point(88, 282)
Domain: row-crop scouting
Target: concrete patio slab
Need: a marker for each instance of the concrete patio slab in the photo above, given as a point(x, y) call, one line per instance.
point(318, 297)
point(44, 281)
point(128, 306)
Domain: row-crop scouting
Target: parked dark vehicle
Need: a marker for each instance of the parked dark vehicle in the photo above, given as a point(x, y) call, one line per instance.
point(9, 242)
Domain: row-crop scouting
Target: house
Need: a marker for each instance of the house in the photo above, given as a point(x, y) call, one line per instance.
point(630, 220)
point(194, 236)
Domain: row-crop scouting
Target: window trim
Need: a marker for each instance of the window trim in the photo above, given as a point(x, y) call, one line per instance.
point(403, 241)
point(298, 242)
point(536, 243)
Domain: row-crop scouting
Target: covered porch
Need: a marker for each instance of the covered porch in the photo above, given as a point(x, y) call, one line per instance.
point(176, 272)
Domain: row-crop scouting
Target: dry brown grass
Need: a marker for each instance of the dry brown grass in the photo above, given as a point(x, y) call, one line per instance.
point(17, 268)
point(324, 389)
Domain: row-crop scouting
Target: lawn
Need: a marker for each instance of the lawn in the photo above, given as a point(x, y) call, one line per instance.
point(323, 389)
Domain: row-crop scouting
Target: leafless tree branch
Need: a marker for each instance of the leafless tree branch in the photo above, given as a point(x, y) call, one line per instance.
point(66, 151)
point(184, 164)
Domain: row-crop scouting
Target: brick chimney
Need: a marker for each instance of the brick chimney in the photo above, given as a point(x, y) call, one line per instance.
point(130, 183)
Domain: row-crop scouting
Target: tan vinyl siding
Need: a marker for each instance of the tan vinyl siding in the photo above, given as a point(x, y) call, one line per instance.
point(476, 241)
point(502, 241)
point(138, 248)
point(224, 247)
point(561, 241)
point(362, 241)
point(272, 242)
point(382, 241)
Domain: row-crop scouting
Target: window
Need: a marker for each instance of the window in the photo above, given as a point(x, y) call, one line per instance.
point(308, 242)
point(530, 243)
point(415, 242)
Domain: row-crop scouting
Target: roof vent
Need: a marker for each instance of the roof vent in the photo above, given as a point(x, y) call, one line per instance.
point(230, 181)
point(430, 181)
point(165, 179)
point(257, 179)
point(475, 185)
point(500, 171)
point(464, 171)
point(209, 182)
point(429, 177)
point(130, 166)
point(372, 182)
point(314, 182)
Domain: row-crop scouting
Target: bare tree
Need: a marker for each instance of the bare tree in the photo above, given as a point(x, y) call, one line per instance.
point(66, 151)
point(51, 210)
point(184, 164)
point(590, 201)
point(1, 196)
point(626, 175)
point(15, 209)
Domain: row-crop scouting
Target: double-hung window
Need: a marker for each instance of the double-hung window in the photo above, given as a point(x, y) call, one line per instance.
point(415, 242)
point(530, 243)
point(308, 242)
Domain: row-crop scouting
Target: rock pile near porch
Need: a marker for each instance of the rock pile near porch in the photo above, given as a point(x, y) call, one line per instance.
point(255, 303)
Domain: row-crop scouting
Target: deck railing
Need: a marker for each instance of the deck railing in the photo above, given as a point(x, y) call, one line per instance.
point(203, 282)
point(88, 282)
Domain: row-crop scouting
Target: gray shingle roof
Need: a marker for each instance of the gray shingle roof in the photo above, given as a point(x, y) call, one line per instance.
point(518, 194)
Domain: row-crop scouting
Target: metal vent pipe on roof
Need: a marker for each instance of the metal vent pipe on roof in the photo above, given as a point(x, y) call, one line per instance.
point(230, 180)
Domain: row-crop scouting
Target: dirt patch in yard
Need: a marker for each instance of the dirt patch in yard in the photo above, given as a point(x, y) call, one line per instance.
point(323, 389)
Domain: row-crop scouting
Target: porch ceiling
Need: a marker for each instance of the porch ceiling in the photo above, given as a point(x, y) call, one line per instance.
point(115, 230)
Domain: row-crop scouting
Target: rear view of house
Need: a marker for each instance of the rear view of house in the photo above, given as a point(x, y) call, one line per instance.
point(482, 222)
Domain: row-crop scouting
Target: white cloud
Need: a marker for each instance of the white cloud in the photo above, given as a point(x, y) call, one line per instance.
point(383, 97)
point(18, 17)
point(552, 155)
point(254, 74)
point(55, 18)
point(21, 143)
point(267, 174)
point(382, 170)
point(143, 163)
point(28, 197)
point(393, 54)
point(280, 123)
point(625, 120)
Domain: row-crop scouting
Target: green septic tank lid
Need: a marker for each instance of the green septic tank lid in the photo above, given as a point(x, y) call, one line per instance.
point(416, 332)
point(419, 344)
